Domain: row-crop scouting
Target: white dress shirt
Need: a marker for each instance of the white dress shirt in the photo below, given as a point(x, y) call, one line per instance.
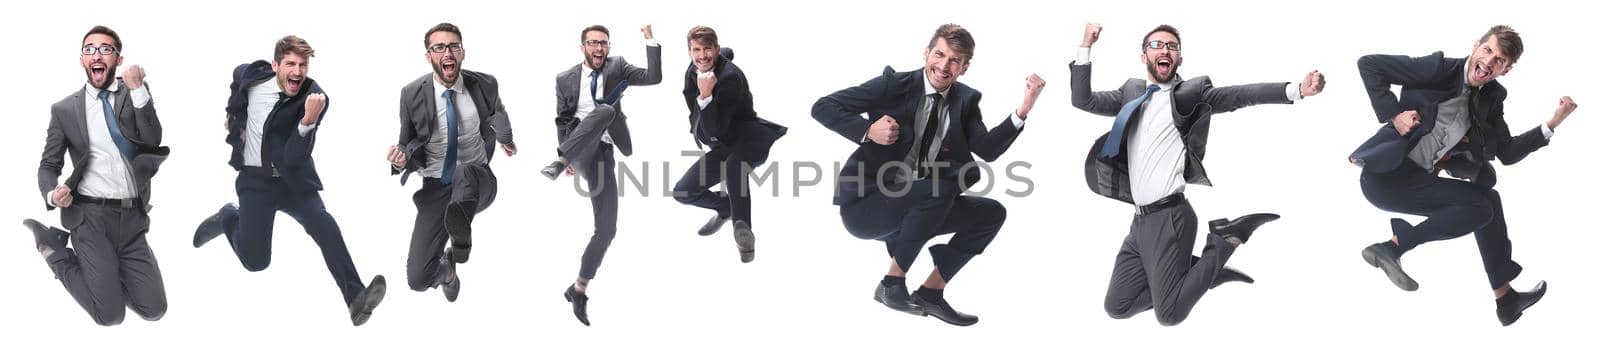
point(263, 98)
point(107, 173)
point(469, 142)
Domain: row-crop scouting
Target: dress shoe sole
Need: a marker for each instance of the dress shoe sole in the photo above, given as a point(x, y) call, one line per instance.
point(1538, 294)
point(912, 309)
point(1395, 274)
point(747, 245)
point(374, 296)
point(953, 322)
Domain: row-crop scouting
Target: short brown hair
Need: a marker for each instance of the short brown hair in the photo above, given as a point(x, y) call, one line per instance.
point(1510, 41)
point(703, 35)
point(1159, 29)
point(293, 44)
point(957, 37)
point(593, 28)
point(441, 27)
point(116, 41)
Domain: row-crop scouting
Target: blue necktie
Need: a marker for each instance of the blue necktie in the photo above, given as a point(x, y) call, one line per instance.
point(1114, 141)
point(450, 117)
point(594, 87)
point(116, 132)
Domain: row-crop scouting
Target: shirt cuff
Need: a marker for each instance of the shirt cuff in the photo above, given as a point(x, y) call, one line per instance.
point(652, 42)
point(1016, 121)
point(1083, 56)
point(47, 200)
point(141, 96)
point(1293, 91)
point(305, 129)
point(1545, 128)
point(704, 102)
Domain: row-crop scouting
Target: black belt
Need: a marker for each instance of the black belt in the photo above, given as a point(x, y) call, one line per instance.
point(261, 171)
point(1169, 201)
point(124, 203)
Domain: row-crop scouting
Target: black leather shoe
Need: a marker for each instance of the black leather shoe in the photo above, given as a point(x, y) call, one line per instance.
point(55, 239)
point(896, 297)
point(553, 170)
point(1510, 307)
point(1241, 227)
point(1382, 256)
point(580, 304)
point(940, 309)
point(216, 224)
point(452, 282)
point(713, 225)
point(361, 308)
point(746, 240)
point(1229, 274)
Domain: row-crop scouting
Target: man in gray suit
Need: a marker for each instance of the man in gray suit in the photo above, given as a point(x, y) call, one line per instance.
point(111, 129)
point(449, 122)
point(1153, 150)
point(589, 123)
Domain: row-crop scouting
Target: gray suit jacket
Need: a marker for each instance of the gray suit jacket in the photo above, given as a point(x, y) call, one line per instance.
point(1193, 103)
point(69, 134)
point(418, 119)
point(614, 71)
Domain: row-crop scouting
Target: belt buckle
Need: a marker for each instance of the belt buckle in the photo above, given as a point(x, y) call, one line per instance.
point(126, 203)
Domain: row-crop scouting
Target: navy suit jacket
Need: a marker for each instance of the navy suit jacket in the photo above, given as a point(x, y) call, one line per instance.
point(1426, 82)
point(730, 119)
point(898, 95)
point(282, 146)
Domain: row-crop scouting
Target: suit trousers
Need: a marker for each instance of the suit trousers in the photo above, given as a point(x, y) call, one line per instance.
point(1453, 207)
point(582, 145)
point(600, 176)
point(1155, 267)
point(441, 212)
point(110, 266)
point(906, 216)
point(720, 165)
point(249, 230)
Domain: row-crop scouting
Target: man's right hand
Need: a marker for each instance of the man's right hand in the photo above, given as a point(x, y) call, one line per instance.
point(1406, 121)
point(397, 158)
point(885, 131)
point(61, 197)
point(1091, 34)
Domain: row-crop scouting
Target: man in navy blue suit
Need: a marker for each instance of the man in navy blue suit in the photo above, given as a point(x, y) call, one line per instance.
point(904, 188)
point(1449, 116)
point(273, 116)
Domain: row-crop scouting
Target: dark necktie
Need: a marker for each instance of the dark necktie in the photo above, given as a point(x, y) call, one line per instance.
point(594, 87)
point(1114, 141)
point(926, 150)
point(116, 132)
point(450, 117)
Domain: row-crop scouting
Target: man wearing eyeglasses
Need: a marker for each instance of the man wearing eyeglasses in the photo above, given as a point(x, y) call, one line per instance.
point(905, 187)
point(449, 122)
point(1449, 116)
point(589, 124)
point(111, 129)
point(274, 113)
point(1153, 150)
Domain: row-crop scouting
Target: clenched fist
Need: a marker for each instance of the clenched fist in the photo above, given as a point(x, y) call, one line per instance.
point(1406, 121)
point(885, 131)
point(706, 81)
point(1030, 93)
point(1091, 34)
point(314, 104)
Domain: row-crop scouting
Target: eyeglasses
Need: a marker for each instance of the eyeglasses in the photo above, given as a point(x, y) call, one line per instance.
point(1158, 44)
point(101, 50)
point(440, 48)
point(597, 43)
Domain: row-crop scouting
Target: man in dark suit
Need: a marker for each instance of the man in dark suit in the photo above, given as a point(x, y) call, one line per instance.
point(589, 124)
point(111, 129)
point(449, 122)
point(722, 116)
point(1450, 116)
point(1152, 152)
point(904, 188)
point(274, 112)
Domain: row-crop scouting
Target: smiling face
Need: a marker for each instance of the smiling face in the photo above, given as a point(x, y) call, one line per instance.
point(944, 65)
point(291, 69)
point(1488, 62)
point(1162, 62)
point(596, 46)
point(446, 54)
point(704, 55)
point(100, 68)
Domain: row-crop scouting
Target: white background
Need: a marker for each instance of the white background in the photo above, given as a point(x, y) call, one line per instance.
point(1041, 283)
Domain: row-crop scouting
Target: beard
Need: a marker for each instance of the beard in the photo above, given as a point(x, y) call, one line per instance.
point(109, 77)
point(1160, 79)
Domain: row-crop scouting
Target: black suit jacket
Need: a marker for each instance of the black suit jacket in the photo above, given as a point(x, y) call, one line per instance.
point(282, 146)
point(69, 134)
point(615, 70)
point(730, 119)
point(418, 118)
point(1193, 103)
point(1426, 82)
point(898, 95)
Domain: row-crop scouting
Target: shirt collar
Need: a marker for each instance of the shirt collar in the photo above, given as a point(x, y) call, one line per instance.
point(927, 87)
point(586, 69)
point(438, 87)
point(93, 92)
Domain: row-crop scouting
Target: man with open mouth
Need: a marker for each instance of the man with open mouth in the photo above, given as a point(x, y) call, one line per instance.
point(906, 187)
point(111, 129)
point(449, 122)
point(1449, 116)
point(273, 115)
point(1153, 150)
point(589, 125)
